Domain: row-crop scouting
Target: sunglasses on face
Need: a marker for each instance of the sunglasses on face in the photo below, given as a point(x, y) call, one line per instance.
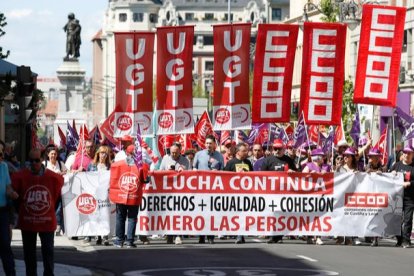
point(35, 160)
point(277, 148)
point(339, 158)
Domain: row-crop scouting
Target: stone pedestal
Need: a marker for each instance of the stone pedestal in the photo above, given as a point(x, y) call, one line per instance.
point(72, 79)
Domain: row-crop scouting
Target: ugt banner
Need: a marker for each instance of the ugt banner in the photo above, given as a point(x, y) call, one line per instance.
point(379, 55)
point(271, 203)
point(322, 72)
point(86, 205)
point(134, 70)
point(273, 70)
point(175, 80)
point(231, 108)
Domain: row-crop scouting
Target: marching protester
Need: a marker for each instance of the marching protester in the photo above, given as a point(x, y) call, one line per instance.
point(189, 154)
point(406, 167)
point(6, 192)
point(53, 163)
point(174, 162)
point(257, 154)
point(101, 162)
point(240, 163)
point(208, 160)
point(84, 157)
point(364, 145)
point(278, 162)
point(39, 190)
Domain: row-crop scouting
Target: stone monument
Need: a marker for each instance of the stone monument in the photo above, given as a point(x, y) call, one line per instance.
point(72, 79)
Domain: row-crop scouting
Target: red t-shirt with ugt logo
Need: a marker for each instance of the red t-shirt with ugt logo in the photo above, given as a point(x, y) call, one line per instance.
point(38, 195)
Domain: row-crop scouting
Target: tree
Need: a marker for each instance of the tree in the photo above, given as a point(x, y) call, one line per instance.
point(3, 23)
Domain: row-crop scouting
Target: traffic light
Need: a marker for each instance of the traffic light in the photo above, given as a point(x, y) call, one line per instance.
point(25, 88)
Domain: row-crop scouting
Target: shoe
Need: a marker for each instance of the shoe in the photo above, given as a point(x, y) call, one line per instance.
point(58, 229)
point(118, 244)
point(406, 245)
point(398, 244)
point(201, 240)
point(178, 240)
point(145, 240)
point(275, 239)
point(210, 241)
point(222, 237)
point(99, 242)
point(356, 241)
point(309, 240)
point(106, 242)
point(170, 240)
point(239, 241)
point(131, 245)
point(374, 243)
point(348, 241)
point(319, 241)
point(340, 240)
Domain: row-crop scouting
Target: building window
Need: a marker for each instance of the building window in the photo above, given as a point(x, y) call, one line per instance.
point(153, 18)
point(209, 16)
point(226, 17)
point(209, 66)
point(138, 17)
point(122, 17)
point(189, 16)
point(276, 14)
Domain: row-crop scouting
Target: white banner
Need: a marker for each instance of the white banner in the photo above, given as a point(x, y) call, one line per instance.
point(86, 204)
point(251, 203)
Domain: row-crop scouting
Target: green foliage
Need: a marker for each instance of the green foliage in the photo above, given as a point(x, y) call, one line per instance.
point(3, 23)
point(329, 11)
point(348, 107)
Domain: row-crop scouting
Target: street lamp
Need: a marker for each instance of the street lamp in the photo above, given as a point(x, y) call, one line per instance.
point(347, 12)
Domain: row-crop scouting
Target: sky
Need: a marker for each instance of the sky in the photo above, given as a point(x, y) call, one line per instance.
point(35, 36)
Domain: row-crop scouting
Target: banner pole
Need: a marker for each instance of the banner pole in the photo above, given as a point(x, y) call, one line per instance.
point(306, 130)
point(393, 136)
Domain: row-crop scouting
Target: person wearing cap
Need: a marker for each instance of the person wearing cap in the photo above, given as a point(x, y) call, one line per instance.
point(278, 162)
point(209, 160)
point(374, 161)
point(350, 162)
point(228, 150)
point(126, 140)
point(291, 151)
point(406, 166)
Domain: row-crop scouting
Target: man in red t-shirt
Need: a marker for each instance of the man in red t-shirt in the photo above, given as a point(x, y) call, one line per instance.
point(39, 190)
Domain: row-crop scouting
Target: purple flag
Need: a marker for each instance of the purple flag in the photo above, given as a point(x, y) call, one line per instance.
point(242, 137)
point(326, 145)
point(355, 129)
point(96, 137)
point(321, 139)
point(405, 123)
point(256, 128)
point(138, 149)
point(276, 132)
point(114, 147)
point(72, 138)
point(299, 136)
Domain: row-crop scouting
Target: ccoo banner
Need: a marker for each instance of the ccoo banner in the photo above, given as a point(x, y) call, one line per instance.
point(273, 71)
point(231, 101)
point(379, 55)
point(323, 72)
point(134, 74)
point(175, 80)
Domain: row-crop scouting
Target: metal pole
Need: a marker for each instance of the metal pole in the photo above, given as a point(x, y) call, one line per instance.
point(229, 11)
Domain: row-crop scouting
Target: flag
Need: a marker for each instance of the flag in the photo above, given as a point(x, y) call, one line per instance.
point(339, 134)
point(313, 132)
point(96, 135)
point(283, 135)
point(289, 131)
point(138, 149)
point(84, 133)
point(74, 128)
point(72, 138)
point(299, 136)
point(111, 144)
point(257, 128)
point(382, 146)
point(62, 138)
point(224, 136)
point(240, 136)
point(202, 129)
point(327, 144)
point(355, 129)
point(402, 120)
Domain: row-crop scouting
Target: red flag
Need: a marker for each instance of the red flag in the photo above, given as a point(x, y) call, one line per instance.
point(231, 76)
point(107, 128)
point(134, 81)
point(322, 72)
point(165, 142)
point(379, 55)
point(273, 71)
point(289, 131)
point(313, 133)
point(74, 126)
point(382, 146)
point(84, 133)
point(339, 134)
point(202, 129)
point(225, 135)
point(175, 80)
point(62, 138)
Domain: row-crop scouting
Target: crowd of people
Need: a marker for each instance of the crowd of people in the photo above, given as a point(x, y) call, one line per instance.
point(240, 157)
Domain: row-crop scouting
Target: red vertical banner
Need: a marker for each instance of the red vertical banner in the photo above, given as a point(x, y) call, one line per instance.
point(175, 80)
point(379, 55)
point(134, 78)
point(323, 72)
point(273, 71)
point(231, 108)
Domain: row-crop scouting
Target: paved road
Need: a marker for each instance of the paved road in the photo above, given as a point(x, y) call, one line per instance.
point(292, 257)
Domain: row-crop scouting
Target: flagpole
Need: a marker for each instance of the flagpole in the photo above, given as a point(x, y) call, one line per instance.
point(332, 150)
point(393, 136)
point(306, 130)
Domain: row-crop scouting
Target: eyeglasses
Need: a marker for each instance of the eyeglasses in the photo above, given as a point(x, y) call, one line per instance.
point(103, 152)
point(290, 148)
point(35, 160)
point(339, 158)
point(88, 147)
point(277, 148)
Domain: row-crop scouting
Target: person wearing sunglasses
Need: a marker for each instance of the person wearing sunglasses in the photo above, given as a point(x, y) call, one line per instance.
point(39, 191)
point(6, 192)
point(278, 162)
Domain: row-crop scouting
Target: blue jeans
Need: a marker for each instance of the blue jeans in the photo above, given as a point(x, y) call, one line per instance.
point(59, 215)
point(29, 250)
point(6, 253)
point(122, 213)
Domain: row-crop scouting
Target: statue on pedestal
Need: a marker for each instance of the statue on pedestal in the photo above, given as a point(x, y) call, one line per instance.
point(73, 38)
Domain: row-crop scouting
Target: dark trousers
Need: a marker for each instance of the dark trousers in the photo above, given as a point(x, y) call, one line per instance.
point(29, 251)
point(6, 253)
point(407, 226)
point(122, 213)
